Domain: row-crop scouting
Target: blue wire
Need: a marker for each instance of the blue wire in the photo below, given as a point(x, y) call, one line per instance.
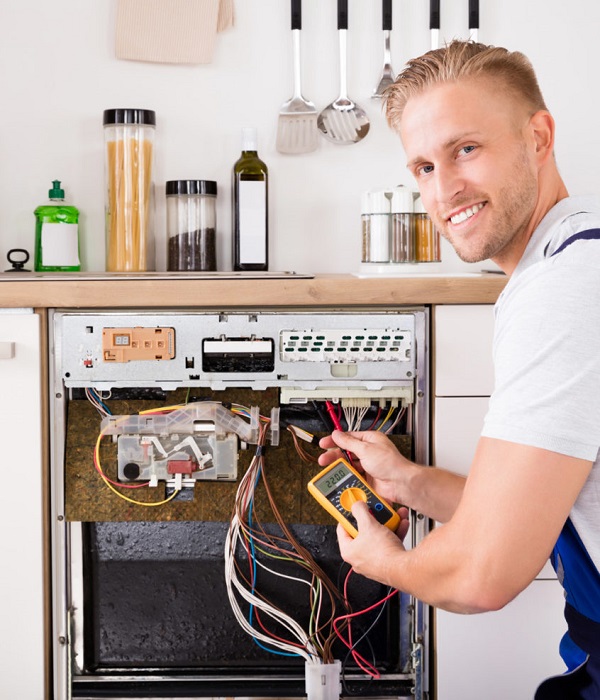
point(96, 396)
point(253, 554)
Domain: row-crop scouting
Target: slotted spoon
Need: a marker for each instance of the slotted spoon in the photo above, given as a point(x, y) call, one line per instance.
point(343, 121)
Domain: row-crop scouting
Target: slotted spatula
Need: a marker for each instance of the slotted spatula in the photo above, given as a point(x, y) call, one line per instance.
point(343, 121)
point(297, 124)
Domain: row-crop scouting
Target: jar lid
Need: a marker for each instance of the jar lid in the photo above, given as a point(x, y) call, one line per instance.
point(395, 200)
point(129, 116)
point(191, 187)
point(376, 202)
point(419, 208)
point(402, 199)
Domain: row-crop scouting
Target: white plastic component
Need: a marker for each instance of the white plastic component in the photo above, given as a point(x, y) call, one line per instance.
point(198, 442)
point(183, 421)
point(369, 345)
point(322, 681)
point(202, 456)
point(334, 393)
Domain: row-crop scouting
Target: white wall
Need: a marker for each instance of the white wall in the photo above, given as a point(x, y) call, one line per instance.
point(58, 73)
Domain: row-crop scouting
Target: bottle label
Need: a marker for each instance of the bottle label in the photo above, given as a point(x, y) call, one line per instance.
point(59, 245)
point(253, 222)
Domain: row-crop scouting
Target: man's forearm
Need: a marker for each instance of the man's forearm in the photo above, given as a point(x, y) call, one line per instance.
point(434, 492)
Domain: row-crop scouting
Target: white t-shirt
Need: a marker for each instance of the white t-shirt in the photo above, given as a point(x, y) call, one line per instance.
point(547, 352)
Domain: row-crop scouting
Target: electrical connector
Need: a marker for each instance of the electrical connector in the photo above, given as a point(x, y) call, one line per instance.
point(322, 681)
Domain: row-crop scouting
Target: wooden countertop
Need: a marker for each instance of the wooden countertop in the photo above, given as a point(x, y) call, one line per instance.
point(88, 290)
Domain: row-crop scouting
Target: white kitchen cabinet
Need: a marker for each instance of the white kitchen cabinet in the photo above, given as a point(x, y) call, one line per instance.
point(21, 519)
point(463, 364)
point(504, 654)
point(501, 655)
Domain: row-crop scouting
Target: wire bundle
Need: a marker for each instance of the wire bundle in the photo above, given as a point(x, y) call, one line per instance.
point(286, 636)
point(97, 399)
point(348, 640)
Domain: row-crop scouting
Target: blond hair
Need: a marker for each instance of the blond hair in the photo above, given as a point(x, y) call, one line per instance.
point(458, 60)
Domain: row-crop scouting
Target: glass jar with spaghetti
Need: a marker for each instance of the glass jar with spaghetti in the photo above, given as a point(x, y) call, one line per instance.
point(129, 146)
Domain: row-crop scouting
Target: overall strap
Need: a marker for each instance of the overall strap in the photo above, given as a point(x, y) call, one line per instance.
point(581, 580)
point(587, 235)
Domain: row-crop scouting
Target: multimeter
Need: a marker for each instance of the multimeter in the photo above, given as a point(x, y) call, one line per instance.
point(339, 486)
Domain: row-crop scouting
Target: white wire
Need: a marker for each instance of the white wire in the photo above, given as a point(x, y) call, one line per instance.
point(354, 416)
point(95, 401)
point(307, 650)
point(396, 420)
point(233, 584)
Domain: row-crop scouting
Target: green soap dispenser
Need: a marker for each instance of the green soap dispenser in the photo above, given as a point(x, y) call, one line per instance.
point(56, 234)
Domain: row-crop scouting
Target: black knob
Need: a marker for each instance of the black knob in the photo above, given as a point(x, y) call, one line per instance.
point(131, 471)
point(18, 265)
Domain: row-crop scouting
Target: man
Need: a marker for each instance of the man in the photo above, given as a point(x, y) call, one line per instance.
point(479, 141)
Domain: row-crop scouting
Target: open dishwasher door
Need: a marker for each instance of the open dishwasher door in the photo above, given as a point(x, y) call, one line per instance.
point(188, 558)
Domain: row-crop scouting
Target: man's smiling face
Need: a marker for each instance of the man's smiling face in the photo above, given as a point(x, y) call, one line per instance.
point(467, 144)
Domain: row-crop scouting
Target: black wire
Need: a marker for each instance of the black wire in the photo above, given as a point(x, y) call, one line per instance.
point(323, 416)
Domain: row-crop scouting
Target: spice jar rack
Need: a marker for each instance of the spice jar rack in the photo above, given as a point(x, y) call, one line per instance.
point(397, 233)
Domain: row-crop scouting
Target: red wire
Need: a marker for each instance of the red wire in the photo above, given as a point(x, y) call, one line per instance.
point(272, 634)
point(376, 418)
point(338, 425)
point(374, 673)
point(335, 419)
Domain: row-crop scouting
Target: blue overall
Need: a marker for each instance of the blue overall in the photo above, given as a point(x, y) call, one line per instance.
point(580, 647)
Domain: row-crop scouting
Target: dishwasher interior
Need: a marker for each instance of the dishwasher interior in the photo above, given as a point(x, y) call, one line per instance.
point(188, 558)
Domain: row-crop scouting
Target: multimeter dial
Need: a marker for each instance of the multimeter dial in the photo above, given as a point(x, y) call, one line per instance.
point(342, 487)
point(351, 495)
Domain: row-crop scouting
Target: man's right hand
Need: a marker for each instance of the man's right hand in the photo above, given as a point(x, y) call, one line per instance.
point(374, 454)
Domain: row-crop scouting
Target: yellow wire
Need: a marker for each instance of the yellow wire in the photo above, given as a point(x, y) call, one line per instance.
point(163, 408)
point(386, 419)
point(119, 494)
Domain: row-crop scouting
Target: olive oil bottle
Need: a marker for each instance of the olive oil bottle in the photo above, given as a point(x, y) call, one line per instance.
point(56, 234)
point(250, 208)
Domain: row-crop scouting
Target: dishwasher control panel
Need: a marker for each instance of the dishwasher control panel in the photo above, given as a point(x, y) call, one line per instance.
point(254, 349)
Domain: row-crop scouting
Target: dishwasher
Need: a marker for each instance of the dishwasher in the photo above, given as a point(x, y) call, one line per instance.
point(188, 558)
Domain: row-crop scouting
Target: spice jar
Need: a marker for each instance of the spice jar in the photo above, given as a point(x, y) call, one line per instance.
point(402, 224)
point(427, 238)
point(376, 209)
point(191, 225)
point(129, 145)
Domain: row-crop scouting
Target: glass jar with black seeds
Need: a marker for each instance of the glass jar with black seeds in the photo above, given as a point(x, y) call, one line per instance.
point(191, 225)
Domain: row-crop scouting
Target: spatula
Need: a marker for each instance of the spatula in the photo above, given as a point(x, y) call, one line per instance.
point(387, 74)
point(297, 124)
point(343, 121)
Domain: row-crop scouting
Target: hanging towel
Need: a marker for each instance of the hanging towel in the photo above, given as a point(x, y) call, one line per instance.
point(170, 31)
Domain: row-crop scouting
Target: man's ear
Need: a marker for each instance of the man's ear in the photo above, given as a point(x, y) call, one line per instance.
point(542, 130)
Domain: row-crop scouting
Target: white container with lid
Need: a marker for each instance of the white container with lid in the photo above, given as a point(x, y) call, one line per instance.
point(376, 226)
point(387, 226)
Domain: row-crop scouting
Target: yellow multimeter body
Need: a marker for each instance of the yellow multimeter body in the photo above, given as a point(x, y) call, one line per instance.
point(339, 486)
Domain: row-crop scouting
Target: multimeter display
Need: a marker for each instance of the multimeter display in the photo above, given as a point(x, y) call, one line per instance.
point(339, 486)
